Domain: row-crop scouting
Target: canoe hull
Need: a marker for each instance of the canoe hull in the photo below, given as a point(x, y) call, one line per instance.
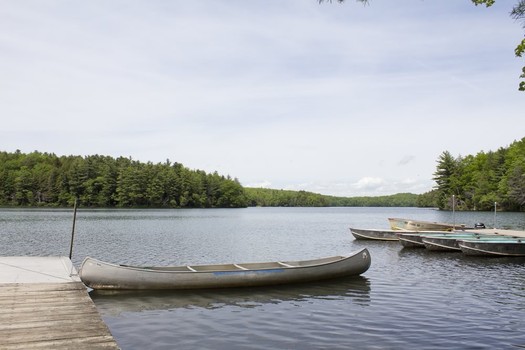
point(101, 275)
point(376, 235)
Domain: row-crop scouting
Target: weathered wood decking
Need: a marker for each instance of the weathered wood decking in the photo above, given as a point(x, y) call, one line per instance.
point(43, 305)
point(497, 231)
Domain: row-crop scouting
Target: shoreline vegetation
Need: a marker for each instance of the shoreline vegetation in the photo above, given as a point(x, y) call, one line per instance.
point(45, 180)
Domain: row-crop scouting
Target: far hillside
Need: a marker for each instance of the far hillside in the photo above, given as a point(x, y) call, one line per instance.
point(264, 197)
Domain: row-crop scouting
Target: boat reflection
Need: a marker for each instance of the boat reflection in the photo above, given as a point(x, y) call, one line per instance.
point(355, 289)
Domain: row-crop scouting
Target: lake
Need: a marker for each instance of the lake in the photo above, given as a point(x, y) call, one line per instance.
point(409, 298)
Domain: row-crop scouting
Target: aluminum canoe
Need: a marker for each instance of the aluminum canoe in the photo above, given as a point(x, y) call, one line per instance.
point(97, 274)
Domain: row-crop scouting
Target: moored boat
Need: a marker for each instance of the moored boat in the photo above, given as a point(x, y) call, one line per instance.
point(493, 247)
point(445, 242)
point(419, 225)
point(97, 274)
point(373, 234)
point(415, 239)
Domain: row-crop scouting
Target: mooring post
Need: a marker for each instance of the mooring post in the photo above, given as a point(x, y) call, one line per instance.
point(73, 229)
point(454, 212)
point(495, 209)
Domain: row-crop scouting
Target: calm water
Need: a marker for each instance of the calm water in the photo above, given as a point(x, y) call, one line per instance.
point(407, 299)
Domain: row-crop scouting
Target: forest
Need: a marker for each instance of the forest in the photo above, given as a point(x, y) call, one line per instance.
point(472, 182)
point(477, 182)
point(44, 179)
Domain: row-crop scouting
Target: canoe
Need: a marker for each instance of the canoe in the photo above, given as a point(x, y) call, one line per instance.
point(446, 242)
point(418, 225)
point(373, 234)
point(97, 274)
point(493, 247)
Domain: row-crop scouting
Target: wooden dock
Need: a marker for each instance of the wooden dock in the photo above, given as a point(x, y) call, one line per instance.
point(497, 231)
point(44, 305)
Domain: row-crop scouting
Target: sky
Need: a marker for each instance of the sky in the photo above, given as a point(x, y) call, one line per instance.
point(338, 99)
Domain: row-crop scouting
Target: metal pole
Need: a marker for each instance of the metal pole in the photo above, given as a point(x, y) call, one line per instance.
point(495, 204)
point(454, 211)
point(73, 229)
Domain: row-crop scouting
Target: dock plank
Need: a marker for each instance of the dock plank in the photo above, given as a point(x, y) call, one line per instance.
point(94, 343)
point(48, 315)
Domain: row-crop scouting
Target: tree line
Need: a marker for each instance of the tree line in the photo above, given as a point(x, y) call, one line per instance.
point(44, 179)
point(265, 197)
point(473, 182)
point(41, 179)
point(476, 182)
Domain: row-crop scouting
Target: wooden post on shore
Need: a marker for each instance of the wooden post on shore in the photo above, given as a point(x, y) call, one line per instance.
point(73, 229)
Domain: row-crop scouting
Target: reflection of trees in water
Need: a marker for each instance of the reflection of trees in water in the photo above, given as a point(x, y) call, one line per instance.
point(354, 289)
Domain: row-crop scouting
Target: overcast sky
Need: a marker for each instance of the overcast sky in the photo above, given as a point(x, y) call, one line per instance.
point(340, 99)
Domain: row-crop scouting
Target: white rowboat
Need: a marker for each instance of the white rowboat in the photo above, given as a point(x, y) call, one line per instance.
point(419, 225)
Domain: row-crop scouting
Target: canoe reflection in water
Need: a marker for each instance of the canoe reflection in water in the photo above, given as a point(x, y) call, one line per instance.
point(115, 302)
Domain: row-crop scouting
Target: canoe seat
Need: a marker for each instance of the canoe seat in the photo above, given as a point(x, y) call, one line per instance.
point(285, 264)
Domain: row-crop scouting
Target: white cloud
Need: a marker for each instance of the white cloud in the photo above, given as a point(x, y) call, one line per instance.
point(264, 184)
point(369, 183)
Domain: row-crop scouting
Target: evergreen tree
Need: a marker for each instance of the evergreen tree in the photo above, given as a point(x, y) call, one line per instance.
point(445, 177)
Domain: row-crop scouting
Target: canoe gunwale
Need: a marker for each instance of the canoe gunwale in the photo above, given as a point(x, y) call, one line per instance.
point(227, 267)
